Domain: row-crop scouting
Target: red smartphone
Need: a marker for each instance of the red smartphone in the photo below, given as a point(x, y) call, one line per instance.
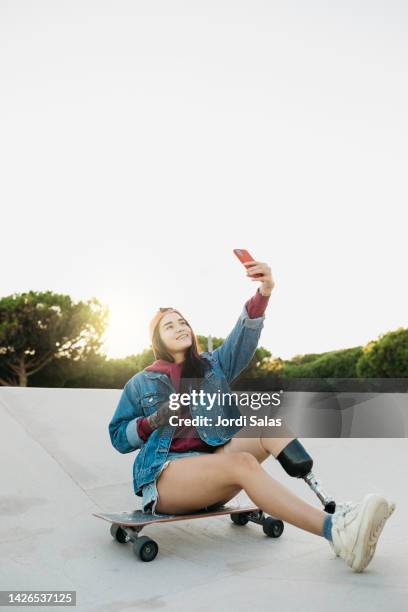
point(244, 257)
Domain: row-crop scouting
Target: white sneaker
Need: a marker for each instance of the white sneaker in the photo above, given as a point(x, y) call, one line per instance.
point(357, 527)
point(341, 507)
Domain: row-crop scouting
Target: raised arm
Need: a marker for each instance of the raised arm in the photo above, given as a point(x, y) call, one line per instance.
point(240, 345)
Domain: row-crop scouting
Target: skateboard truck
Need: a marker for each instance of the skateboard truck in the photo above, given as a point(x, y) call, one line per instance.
point(144, 547)
point(297, 462)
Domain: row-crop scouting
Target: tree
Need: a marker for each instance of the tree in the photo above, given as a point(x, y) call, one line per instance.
point(386, 357)
point(38, 327)
point(273, 366)
point(332, 364)
point(203, 342)
point(253, 369)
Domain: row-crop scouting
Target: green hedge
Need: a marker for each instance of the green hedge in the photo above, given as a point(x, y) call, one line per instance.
point(386, 357)
point(334, 364)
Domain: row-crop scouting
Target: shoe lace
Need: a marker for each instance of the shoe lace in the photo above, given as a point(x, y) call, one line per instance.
point(343, 512)
point(344, 507)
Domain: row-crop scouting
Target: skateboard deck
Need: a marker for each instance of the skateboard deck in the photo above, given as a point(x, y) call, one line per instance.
point(137, 518)
point(126, 526)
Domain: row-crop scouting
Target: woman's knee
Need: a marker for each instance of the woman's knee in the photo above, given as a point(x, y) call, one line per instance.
point(254, 446)
point(241, 463)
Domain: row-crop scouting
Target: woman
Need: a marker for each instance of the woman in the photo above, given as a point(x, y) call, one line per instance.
point(213, 465)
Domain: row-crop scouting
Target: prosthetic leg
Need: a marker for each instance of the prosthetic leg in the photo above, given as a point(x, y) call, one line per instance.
point(297, 462)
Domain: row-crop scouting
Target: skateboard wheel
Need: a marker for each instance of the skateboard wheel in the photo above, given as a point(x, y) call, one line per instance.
point(145, 548)
point(239, 519)
point(273, 528)
point(119, 534)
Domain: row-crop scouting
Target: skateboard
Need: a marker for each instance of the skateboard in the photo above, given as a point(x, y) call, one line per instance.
point(126, 526)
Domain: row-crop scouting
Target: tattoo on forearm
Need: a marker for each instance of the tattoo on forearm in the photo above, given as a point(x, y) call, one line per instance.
point(160, 417)
point(163, 414)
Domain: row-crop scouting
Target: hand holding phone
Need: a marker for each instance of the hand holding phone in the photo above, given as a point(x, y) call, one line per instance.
point(244, 257)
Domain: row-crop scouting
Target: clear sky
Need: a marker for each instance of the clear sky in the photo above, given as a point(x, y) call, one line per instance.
point(142, 141)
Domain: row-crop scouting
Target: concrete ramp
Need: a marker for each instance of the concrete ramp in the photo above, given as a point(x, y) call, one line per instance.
point(57, 466)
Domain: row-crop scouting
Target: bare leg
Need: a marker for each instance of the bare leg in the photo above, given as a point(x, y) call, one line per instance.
point(275, 445)
point(193, 483)
point(260, 447)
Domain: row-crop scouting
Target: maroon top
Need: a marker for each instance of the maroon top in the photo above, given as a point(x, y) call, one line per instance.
point(185, 437)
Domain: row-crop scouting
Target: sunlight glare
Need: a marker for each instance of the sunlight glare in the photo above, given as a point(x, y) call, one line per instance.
point(126, 333)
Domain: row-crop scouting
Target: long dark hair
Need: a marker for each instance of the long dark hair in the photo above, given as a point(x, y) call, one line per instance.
point(194, 365)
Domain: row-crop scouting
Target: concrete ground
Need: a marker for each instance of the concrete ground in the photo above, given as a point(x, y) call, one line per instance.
point(58, 466)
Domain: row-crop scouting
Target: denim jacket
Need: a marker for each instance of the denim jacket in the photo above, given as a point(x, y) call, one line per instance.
point(145, 391)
